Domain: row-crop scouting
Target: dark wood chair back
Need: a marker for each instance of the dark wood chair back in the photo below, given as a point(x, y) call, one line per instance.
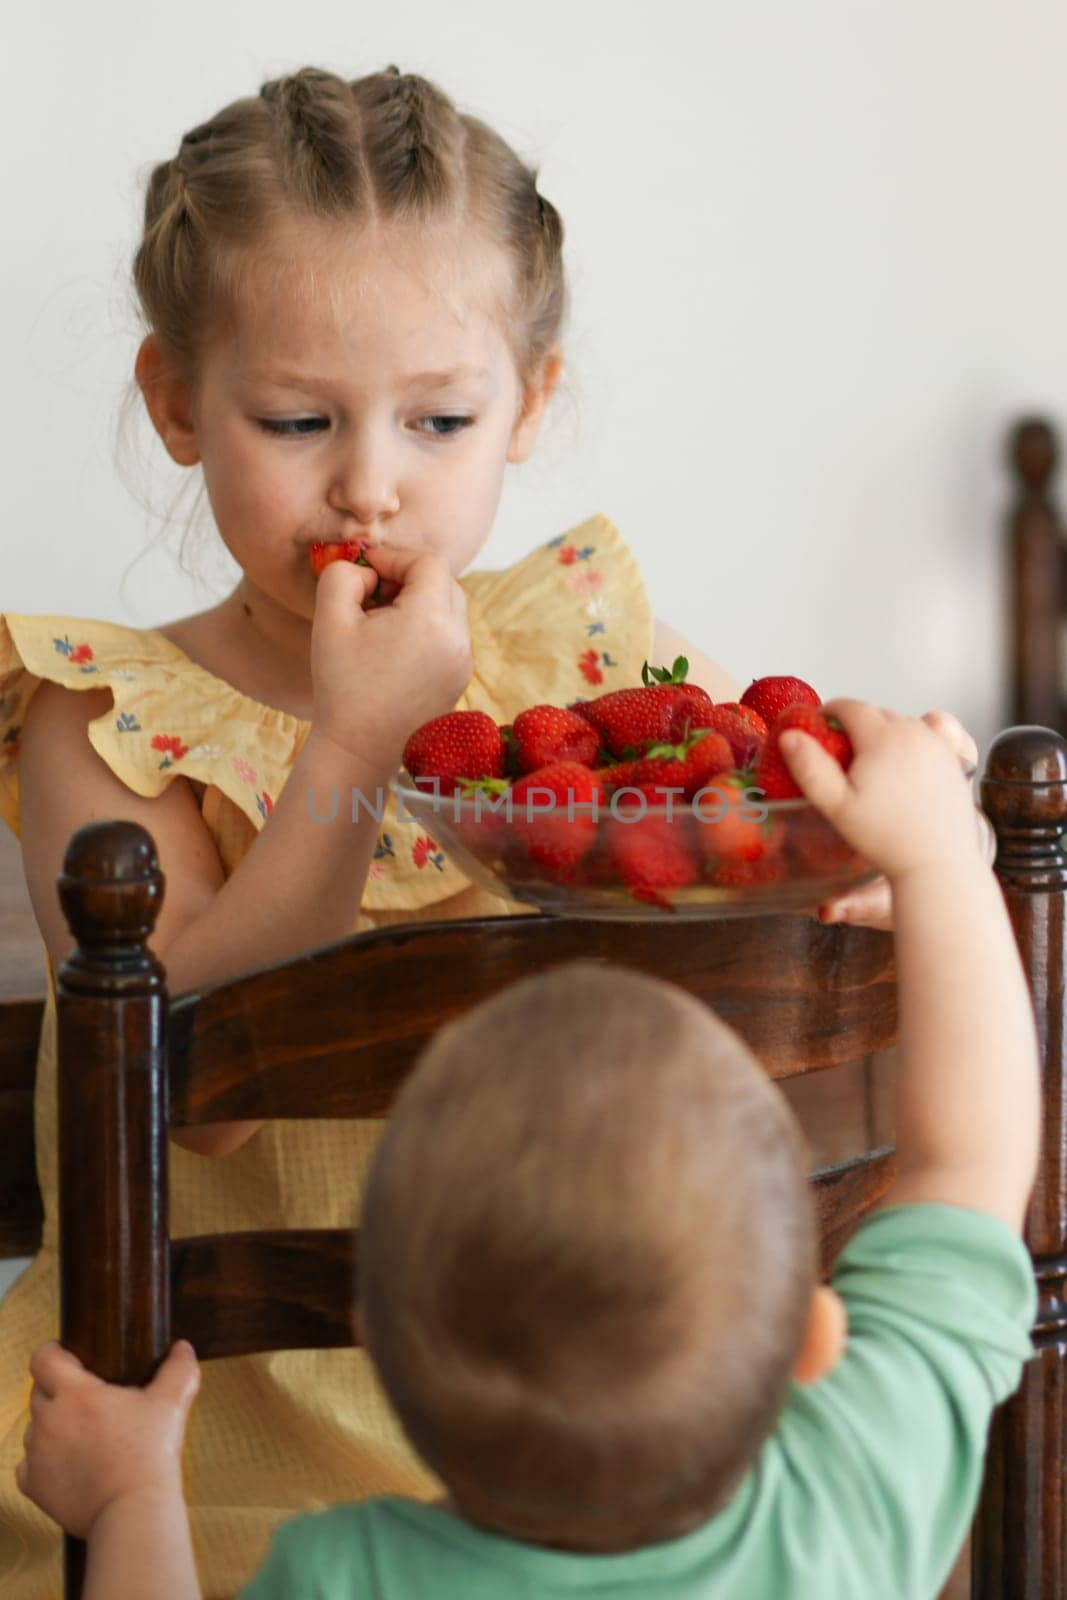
point(333, 1032)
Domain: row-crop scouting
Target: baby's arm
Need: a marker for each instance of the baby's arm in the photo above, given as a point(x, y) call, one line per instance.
point(968, 1103)
point(105, 1463)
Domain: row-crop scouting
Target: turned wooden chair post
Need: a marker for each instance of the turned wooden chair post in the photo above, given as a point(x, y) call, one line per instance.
point(1019, 1551)
point(1036, 582)
point(110, 996)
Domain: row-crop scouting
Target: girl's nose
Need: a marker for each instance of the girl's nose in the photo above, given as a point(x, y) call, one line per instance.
point(364, 487)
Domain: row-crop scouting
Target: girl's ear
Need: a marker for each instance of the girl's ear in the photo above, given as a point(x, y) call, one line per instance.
point(169, 401)
point(536, 395)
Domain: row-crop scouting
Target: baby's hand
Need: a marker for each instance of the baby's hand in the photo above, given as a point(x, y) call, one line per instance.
point(903, 803)
point(377, 675)
point(871, 906)
point(90, 1443)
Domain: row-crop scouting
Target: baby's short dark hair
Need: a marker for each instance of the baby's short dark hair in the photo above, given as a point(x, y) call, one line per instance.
point(587, 1256)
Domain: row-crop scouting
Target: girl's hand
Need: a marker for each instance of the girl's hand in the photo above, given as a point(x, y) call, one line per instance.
point(871, 905)
point(378, 674)
point(90, 1444)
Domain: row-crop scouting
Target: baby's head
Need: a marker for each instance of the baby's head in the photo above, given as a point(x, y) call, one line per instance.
point(314, 258)
point(588, 1260)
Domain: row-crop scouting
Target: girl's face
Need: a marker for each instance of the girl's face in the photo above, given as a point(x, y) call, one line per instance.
point(363, 388)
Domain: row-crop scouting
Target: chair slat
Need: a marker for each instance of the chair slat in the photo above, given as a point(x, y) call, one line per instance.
point(235, 1293)
point(331, 1034)
point(239, 1293)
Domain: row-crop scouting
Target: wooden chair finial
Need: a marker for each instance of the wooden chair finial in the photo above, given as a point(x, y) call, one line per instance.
point(1034, 453)
point(111, 889)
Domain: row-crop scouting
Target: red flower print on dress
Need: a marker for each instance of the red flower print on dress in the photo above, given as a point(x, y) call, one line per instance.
point(172, 745)
point(424, 852)
point(568, 555)
point(78, 654)
point(589, 667)
point(265, 804)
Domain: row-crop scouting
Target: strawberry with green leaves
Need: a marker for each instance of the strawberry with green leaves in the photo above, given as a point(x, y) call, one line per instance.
point(769, 697)
point(628, 720)
point(773, 775)
point(688, 766)
point(461, 745)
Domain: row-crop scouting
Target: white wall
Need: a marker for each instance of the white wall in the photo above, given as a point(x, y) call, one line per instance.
point(819, 260)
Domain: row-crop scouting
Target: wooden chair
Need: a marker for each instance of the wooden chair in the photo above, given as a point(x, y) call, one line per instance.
point(816, 1004)
point(1037, 578)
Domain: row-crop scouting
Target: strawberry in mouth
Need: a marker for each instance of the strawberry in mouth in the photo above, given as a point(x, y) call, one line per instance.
point(321, 554)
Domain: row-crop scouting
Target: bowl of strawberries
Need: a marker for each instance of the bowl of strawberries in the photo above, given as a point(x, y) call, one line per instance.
point(645, 801)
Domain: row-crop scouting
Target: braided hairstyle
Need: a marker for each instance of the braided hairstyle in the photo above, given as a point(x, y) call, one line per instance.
point(386, 146)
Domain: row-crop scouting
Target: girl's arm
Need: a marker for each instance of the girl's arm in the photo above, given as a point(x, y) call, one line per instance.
point(377, 676)
point(299, 885)
point(667, 645)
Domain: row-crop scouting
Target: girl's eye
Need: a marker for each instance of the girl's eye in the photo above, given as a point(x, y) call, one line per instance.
point(439, 427)
point(298, 427)
point(444, 427)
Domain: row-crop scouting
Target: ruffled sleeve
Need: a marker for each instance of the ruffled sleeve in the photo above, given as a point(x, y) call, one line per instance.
point(168, 718)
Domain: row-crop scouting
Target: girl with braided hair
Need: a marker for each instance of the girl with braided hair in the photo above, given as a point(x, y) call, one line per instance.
point(353, 297)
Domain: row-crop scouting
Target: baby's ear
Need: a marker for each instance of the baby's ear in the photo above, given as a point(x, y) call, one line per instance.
point(169, 400)
point(537, 392)
point(824, 1337)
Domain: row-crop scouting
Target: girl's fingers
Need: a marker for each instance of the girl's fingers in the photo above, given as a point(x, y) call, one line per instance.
point(343, 589)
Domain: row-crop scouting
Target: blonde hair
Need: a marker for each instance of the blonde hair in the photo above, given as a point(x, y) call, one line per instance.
point(390, 146)
point(587, 1256)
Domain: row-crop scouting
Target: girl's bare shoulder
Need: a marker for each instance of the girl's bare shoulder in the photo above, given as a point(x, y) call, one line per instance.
point(64, 784)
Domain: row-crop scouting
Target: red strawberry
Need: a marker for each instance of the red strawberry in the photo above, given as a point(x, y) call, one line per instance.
point(559, 834)
point(630, 719)
point(771, 696)
point(461, 744)
point(729, 823)
point(321, 556)
point(748, 874)
point(687, 766)
point(772, 774)
point(651, 852)
point(742, 728)
point(349, 550)
point(546, 734)
point(817, 848)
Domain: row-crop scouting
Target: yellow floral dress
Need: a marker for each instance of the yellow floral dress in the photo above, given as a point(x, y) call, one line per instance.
point(292, 1430)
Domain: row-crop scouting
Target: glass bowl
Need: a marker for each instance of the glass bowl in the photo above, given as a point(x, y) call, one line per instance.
point(623, 859)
